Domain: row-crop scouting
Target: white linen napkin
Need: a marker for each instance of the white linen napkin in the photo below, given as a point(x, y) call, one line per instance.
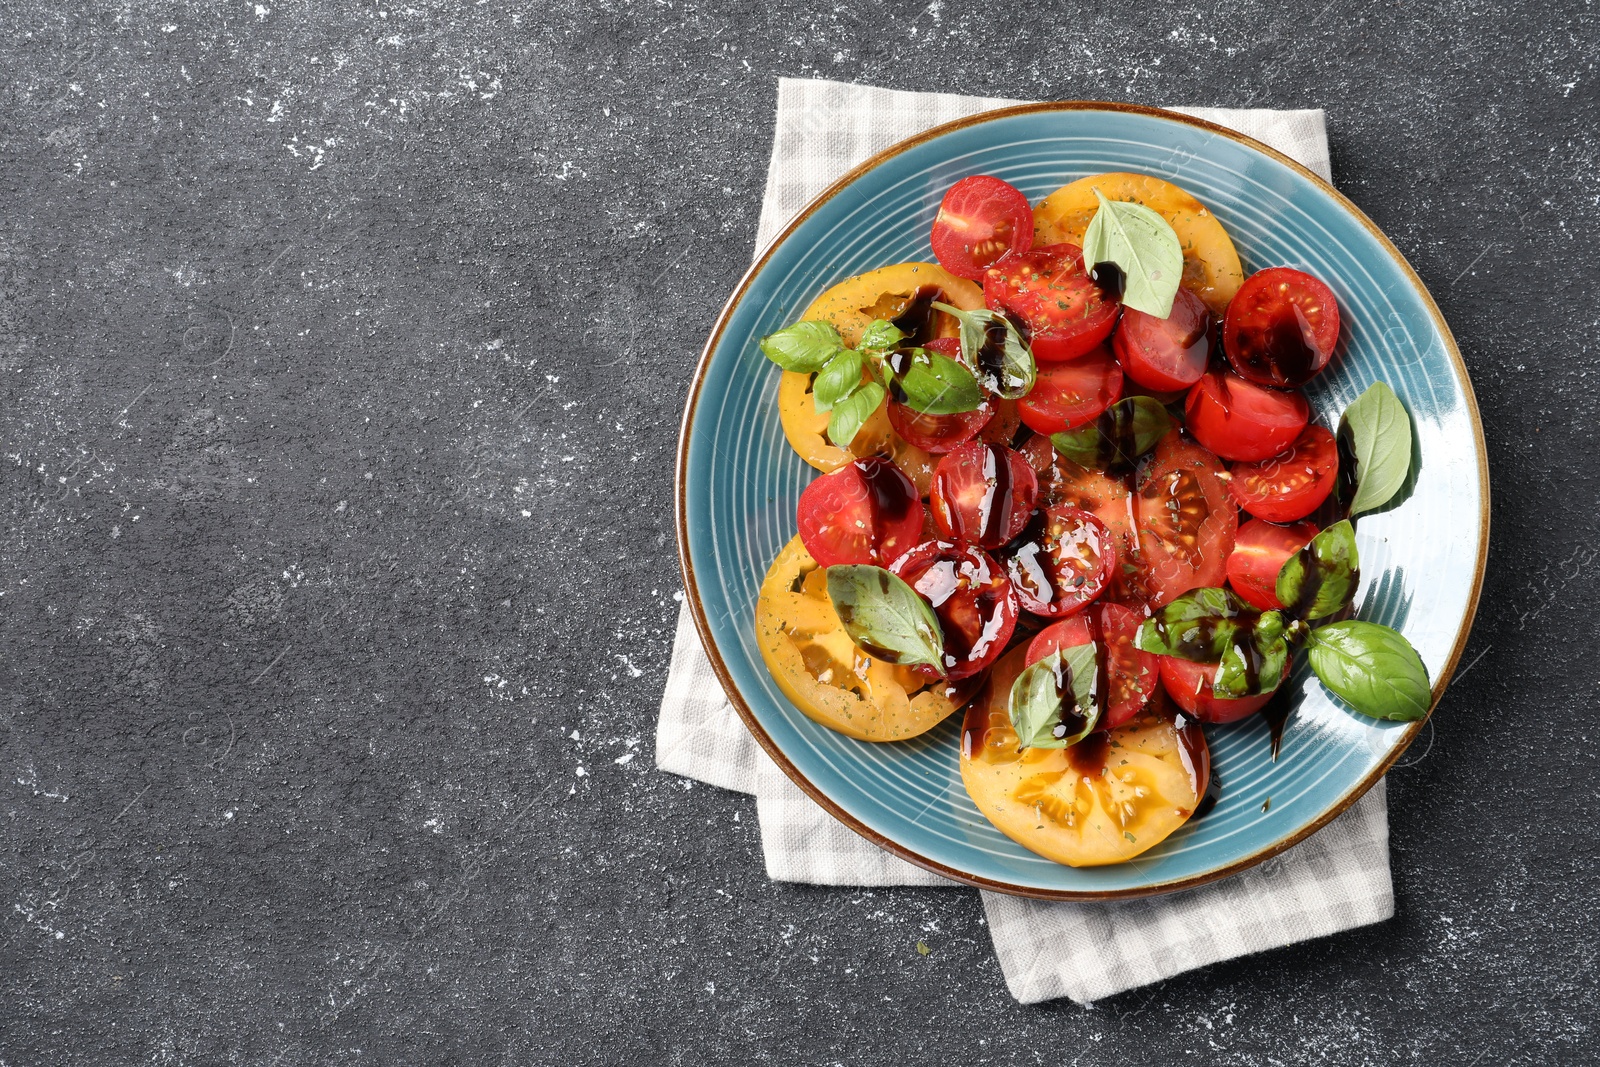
point(1335, 880)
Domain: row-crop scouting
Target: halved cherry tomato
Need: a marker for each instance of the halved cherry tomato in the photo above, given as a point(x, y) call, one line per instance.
point(1189, 686)
point(1281, 327)
point(1166, 354)
point(1065, 312)
point(1065, 483)
point(1186, 521)
point(1242, 421)
point(1292, 484)
point(1072, 394)
point(939, 433)
point(982, 494)
point(817, 666)
point(1104, 800)
point(980, 220)
point(1259, 553)
point(865, 512)
point(972, 597)
point(1066, 559)
point(1131, 673)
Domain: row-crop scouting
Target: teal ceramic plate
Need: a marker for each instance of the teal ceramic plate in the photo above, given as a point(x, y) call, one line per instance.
point(1421, 560)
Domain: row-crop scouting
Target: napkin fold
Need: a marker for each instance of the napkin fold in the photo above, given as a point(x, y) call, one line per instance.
point(1335, 880)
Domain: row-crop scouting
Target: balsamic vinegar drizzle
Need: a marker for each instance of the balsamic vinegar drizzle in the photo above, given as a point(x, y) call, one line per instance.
point(917, 320)
point(1110, 278)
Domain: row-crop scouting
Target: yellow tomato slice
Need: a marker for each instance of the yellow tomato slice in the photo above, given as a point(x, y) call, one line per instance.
point(1104, 800)
point(1211, 268)
point(821, 670)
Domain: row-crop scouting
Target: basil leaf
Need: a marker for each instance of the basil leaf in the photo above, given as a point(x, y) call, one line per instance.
point(1254, 662)
point(992, 345)
point(846, 417)
point(1373, 669)
point(1144, 246)
point(1124, 431)
point(881, 334)
point(840, 378)
point(933, 383)
point(1376, 429)
point(886, 617)
point(805, 346)
point(1321, 578)
point(1198, 626)
point(1053, 701)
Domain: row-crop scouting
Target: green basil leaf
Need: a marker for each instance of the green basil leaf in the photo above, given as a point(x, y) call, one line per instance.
point(1321, 578)
point(1124, 431)
point(881, 334)
point(1376, 429)
point(1374, 669)
point(805, 346)
point(1144, 246)
point(1053, 701)
point(885, 616)
point(933, 383)
point(840, 378)
point(992, 345)
point(1198, 626)
point(847, 416)
point(1253, 663)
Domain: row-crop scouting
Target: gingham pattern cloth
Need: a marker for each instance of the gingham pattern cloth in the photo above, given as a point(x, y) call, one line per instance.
point(1335, 880)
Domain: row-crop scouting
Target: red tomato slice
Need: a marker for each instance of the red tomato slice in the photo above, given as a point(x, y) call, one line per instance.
point(1189, 686)
point(1064, 483)
point(980, 220)
point(1242, 421)
point(970, 594)
point(1131, 673)
point(1166, 354)
point(1065, 312)
point(1186, 522)
point(982, 494)
point(1292, 484)
point(1065, 561)
point(1071, 394)
point(1281, 327)
point(865, 512)
point(939, 433)
point(1259, 553)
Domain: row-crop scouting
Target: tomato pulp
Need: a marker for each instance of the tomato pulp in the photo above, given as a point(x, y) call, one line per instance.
point(1168, 354)
point(1242, 421)
point(1281, 327)
point(973, 599)
point(1292, 484)
point(980, 221)
point(865, 512)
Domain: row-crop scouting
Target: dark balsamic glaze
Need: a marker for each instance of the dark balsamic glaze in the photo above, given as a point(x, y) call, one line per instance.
point(994, 512)
point(1284, 354)
point(1197, 759)
point(1071, 719)
point(991, 356)
point(1116, 444)
point(1102, 662)
point(1317, 573)
point(918, 318)
point(1209, 800)
point(1110, 279)
point(1088, 757)
point(1277, 715)
point(899, 361)
point(1345, 489)
point(1199, 634)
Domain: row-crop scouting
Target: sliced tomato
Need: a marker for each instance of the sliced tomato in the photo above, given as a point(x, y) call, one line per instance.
point(1259, 553)
point(982, 494)
point(939, 433)
point(865, 512)
point(1167, 354)
point(1292, 484)
point(972, 597)
point(981, 219)
point(1189, 686)
point(1065, 312)
point(1186, 521)
point(1131, 674)
point(1065, 559)
point(1072, 394)
point(1065, 483)
point(1242, 421)
point(1281, 327)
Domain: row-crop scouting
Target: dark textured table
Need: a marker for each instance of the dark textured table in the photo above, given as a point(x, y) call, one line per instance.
point(343, 349)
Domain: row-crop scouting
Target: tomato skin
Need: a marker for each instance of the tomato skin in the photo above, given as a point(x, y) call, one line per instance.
point(1292, 484)
point(1185, 522)
point(867, 511)
point(1242, 421)
point(939, 433)
point(1065, 562)
point(1168, 354)
point(969, 591)
point(1189, 686)
point(1259, 553)
point(1281, 328)
point(1071, 394)
point(1131, 672)
point(982, 494)
point(1067, 315)
point(981, 220)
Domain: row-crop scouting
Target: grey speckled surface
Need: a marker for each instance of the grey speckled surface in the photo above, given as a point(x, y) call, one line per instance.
point(342, 350)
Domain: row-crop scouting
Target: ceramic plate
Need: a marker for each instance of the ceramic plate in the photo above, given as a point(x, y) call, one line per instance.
point(1421, 560)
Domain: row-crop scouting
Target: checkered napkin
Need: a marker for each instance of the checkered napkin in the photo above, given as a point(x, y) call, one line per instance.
point(1336, 880)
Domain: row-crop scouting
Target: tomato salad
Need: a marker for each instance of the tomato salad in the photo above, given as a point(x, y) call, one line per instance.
point(1070, 485)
